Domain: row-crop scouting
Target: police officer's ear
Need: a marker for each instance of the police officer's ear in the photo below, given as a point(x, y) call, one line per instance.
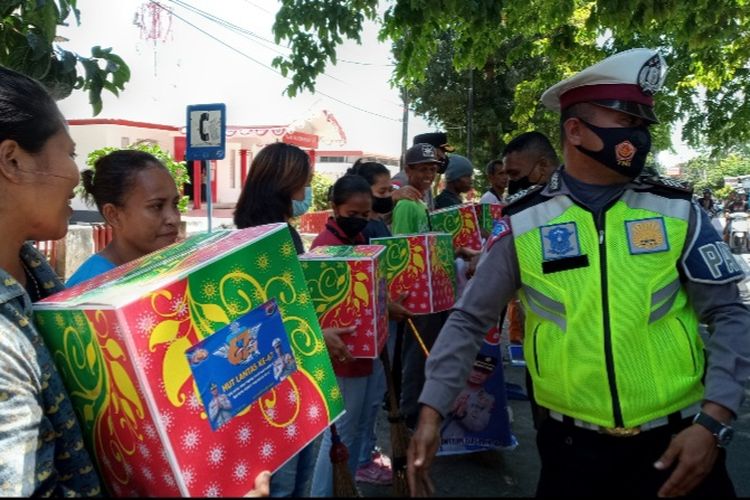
point(574, 130)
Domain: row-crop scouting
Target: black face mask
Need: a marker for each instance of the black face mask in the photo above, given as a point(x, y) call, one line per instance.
point(625, 149)
point(351, 226)
point(382, 205)
point(519, 185)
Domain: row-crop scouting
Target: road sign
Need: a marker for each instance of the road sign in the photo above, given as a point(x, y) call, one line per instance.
point(206, 132)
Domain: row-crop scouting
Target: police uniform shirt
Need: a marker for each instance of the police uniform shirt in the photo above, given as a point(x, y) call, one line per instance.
point(709, 280)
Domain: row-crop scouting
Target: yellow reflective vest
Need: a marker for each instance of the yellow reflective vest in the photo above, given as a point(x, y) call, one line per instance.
point(610, 336)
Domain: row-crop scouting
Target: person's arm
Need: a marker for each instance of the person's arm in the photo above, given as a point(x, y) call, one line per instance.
point(453, 354)
point(20, 415)
point(711, 285)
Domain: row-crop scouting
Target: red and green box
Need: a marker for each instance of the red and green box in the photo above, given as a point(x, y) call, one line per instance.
point(119, 341)
point(488, 214)
point(460, 222)
point(420, 266)
point(348, 288)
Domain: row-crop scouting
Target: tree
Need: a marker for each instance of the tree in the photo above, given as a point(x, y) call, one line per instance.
point(28, 36)
point(706, 45)
point(705, 171)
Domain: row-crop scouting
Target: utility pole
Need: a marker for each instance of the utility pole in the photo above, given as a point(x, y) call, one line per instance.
point(404, 127)
point(470, 115)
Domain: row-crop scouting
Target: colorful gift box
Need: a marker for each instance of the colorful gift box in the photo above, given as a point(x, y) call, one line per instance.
point(420, 266)
point(488, 214)
point(348, 287)
point(460, 222)
point(120, 342)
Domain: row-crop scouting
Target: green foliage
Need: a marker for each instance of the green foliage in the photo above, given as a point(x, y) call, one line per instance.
point(706, 171)
point(320, 187)
point(28, 32)
point(532, 44)
point(177, 169)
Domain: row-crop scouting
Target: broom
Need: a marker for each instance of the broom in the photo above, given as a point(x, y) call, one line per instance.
point(343, 484)
point(399, 434)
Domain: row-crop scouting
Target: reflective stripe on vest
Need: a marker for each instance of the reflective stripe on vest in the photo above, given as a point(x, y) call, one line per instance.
point(610, 337)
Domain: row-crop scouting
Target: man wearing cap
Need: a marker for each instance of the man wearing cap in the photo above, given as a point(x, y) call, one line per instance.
point(458, 180)
point(219, 408)
point(472, 409)
point(615, 271)
point(438, 140)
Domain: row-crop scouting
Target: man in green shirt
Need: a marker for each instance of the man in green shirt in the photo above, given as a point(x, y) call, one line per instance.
point(410, 216)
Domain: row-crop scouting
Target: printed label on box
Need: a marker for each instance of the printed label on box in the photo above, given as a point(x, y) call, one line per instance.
point(236, 365)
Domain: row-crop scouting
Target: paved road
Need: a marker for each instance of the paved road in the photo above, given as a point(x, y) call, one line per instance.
point(515, 473)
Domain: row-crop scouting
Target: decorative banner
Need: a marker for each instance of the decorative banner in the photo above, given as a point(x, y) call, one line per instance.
point(120, 340)
point(235, 365)
point(348, 287)
point(420, 266)
point(460, 222)
point(488, 214)
point(479, 419)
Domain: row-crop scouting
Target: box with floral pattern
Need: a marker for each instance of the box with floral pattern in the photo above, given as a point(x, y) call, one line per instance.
point(348, 287)
point(421, 267)
point(119, 341)
point(488, 214)
point(461, 223)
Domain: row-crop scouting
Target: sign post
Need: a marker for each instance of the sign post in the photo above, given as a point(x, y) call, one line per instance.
point(206, 140)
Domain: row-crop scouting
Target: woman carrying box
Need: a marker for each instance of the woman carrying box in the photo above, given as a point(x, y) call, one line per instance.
point(278, 175)
point(361, 381)
point(138, 198)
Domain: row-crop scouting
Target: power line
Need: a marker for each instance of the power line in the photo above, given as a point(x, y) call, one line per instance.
point(243, 54)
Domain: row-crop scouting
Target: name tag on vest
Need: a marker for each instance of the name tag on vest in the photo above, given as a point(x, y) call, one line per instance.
point(561, 250)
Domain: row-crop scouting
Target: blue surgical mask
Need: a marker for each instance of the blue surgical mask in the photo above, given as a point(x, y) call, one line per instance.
point(299, 207)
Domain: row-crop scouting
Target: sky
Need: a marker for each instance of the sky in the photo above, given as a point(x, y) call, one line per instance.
point(187, 66)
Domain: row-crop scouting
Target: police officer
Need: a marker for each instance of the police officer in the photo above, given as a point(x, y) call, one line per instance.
point(615, 272)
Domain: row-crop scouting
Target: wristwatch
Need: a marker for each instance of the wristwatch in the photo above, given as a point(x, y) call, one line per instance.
point(722, 432)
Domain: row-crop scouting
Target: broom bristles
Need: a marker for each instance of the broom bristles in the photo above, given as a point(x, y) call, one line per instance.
point(343, 483)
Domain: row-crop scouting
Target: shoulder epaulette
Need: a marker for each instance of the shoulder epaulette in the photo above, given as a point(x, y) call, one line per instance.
point(520, 198)
point(666, 186)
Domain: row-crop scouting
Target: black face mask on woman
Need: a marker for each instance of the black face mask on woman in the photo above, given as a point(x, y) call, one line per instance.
point(351, 226)
point(625, 148)
point(382, 205)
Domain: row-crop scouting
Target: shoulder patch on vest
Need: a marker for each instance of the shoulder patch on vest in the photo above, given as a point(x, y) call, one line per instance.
point(708, 259)
point(666, 186)
point(520, 197)
point(500, 229)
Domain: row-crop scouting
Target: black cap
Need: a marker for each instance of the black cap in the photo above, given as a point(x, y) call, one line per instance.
point(437, 139)
point(421, 153)
point(485, 363)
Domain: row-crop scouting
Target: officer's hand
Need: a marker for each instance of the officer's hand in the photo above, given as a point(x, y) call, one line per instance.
point(406, 193)
point(695, 451)
point(262, 485)
point(336, 347)
point(396, 311)
point(422, 449)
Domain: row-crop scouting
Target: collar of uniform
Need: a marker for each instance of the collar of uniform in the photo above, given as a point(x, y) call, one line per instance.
point(557, 186)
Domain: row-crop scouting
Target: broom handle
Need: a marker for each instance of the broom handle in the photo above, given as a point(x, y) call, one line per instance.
point(418, 337)
point(392, 403)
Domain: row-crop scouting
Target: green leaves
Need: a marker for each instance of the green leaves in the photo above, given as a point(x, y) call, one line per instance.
point(27, 44)
point(521, 47)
